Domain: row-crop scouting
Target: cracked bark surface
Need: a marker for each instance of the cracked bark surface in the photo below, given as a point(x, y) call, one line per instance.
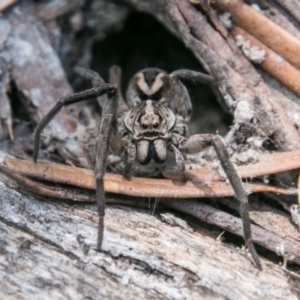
point(48, 250)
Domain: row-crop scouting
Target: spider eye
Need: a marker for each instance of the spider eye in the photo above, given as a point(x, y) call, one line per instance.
point(145, 126)
point(155, 125)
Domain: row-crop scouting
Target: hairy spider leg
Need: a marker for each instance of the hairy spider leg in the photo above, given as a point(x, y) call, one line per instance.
point(184, 109)
point(108, 114)
point(105, 129)
point(198, 142)
point(111, 104)
point(68, 100)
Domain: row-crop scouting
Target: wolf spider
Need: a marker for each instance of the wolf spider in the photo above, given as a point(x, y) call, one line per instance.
point(152, 121)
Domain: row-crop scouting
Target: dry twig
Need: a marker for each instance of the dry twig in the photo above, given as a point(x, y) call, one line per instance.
point(272, 63)
point(292, 6)
point(143, 187)
point(4, 4)
point(246, 17)
point(271, 241)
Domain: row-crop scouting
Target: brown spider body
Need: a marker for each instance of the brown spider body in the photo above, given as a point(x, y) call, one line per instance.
point(152, 122)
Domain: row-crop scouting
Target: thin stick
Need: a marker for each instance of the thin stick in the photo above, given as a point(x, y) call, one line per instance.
point(4, 4)
point(46, 190)
point(275, 65)
point(266, 31)
point(140, 187)
point(233, 224)
point(292, 6)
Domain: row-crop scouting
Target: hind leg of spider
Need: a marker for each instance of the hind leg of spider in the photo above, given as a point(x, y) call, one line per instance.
point(195, 144)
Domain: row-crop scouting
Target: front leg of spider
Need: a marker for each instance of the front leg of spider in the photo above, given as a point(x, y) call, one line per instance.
point(198, 142)
point(181, 96)
point(68, 100)
point(105, 129)
point(108, 117)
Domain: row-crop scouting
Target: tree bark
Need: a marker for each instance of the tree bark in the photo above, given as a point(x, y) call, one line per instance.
point(48, 250)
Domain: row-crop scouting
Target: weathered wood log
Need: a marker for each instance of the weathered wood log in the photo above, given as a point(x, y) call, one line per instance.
point(48, 250)
point(64, 182)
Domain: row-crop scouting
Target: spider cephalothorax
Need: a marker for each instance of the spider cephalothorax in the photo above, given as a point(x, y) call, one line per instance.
point(150, 126)
point(152, 121)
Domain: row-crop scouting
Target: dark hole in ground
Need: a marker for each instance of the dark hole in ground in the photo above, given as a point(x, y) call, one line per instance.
point(144, 42)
